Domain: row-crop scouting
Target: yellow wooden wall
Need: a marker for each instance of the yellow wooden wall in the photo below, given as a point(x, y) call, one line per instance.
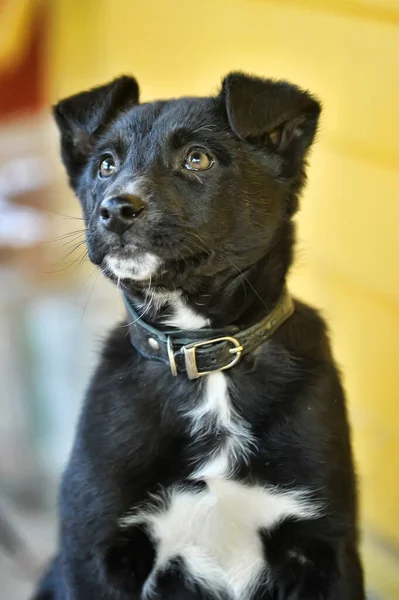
point(347, 52)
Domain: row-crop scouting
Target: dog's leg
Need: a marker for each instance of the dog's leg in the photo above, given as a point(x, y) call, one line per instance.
point(130, 563)
point(308, 574)
point(171, 583)
point(129, 560)
point(307, 566)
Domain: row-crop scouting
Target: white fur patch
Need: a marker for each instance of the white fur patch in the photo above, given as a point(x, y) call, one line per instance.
point(141, 268)
point(215, 531)
point(183, 316)
point(215, 412)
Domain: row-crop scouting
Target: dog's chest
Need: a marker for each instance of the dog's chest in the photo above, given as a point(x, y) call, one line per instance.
point(213, 418)
point(212, 523)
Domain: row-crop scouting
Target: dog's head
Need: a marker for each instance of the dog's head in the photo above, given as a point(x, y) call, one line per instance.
point(180, 191)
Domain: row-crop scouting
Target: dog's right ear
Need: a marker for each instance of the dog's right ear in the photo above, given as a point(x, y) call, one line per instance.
point(80, 116)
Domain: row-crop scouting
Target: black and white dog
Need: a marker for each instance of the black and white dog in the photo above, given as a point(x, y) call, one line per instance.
point(213, 457)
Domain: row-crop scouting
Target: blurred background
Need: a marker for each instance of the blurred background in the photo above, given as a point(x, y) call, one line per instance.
point(55, 309)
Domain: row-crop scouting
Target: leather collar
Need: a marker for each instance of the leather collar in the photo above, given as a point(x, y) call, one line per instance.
point(204, 351)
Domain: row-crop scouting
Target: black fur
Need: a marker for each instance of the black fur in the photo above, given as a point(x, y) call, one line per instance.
point(226, 237)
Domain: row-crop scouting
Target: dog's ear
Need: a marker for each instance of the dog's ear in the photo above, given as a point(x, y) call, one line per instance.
point(274, 113)
point(80, 116)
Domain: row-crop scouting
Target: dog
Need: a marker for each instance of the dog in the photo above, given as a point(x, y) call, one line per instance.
point(212, 458)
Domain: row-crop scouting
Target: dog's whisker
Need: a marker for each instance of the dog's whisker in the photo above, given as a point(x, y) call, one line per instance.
point(68, 253)
point(149, 284)
point(64, 216)
point(242, 274)
point(205, 246)
point(77, 233)
point(79, 258)
point(145, 311)
point(89, 297)
point(85, 254)
point(71, 242)
point(83, 284)
point(181, 255)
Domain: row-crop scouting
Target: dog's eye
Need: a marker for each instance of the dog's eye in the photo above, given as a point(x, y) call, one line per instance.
point(107, 166)
point(198, 160)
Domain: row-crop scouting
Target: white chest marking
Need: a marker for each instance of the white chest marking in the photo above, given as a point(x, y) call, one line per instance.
point(215, 531)
point(216, 413)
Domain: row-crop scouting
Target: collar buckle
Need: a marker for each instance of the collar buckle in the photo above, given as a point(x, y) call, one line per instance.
point(190, 357)
point(246, 341)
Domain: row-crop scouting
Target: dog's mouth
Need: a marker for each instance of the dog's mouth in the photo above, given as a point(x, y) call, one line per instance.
point(147, 271)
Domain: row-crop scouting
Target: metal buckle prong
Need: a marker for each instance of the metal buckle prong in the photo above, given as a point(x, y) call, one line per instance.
point(236, 349)
point(190, 358)
point(171, 356)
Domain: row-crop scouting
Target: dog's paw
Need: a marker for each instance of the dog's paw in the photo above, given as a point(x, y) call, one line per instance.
point(304, 576)
point(129, 559)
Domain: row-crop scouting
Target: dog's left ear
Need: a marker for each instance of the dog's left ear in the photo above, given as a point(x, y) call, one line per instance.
point(275, 113)
point(82, 115)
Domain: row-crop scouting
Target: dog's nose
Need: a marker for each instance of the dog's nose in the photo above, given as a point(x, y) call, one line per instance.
point(118, 214)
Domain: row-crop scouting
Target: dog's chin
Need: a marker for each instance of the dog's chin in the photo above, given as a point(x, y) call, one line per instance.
point(143, 270)
point(140, 269)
